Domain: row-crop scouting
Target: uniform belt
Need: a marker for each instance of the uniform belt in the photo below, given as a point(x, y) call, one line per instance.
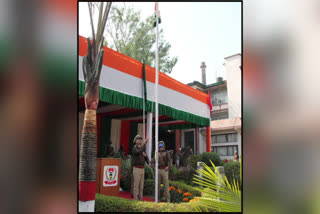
point(139, 167)
point(161, 167)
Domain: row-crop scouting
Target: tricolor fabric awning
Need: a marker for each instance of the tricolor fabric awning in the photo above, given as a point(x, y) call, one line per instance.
point(121, 89)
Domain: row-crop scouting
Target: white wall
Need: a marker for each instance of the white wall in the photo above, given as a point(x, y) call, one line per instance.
point(233, 77)
point(202, 141)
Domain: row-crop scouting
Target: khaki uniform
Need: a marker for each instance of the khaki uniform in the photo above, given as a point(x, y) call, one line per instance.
point(164, 160)
point(138, 171)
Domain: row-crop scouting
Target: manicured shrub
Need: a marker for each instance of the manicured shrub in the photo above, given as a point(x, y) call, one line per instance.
point(115, 204)
point(214, 157)
point(173, 173)
point(194, 160)
point(148, 188)
point(188, 175)
point(222, 162)
point(185, 174)
point(126, 173)
point(232, 171)
point(185, 187)
point(148, 172)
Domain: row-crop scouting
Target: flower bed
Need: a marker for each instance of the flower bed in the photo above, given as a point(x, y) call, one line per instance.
point(149, 187)
point(178, 196)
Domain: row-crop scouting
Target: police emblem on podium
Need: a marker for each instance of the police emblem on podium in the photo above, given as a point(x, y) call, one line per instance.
point(110, 177)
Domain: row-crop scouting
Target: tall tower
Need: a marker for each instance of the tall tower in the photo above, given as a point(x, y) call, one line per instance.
point(203, 69)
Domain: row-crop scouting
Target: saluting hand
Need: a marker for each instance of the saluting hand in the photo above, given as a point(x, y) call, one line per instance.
point(146, 140)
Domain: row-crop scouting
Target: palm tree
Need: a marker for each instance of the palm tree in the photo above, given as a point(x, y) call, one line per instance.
point(220, 195)
point(92, 64)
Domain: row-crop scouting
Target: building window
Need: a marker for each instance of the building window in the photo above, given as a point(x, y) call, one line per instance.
point(225, 150)
point(219, 97)
point(225, 138)
point(215, 116)
point(224, 115)
point(220, 115)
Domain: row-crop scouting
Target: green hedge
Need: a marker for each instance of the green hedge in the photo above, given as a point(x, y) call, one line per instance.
point(194, 160)
point(149, 187)
point(148, 172)
point(173, 173)
point(232, 171)
point(115, 204)
point(186, 175)
point(214, 157)
point(126, 173)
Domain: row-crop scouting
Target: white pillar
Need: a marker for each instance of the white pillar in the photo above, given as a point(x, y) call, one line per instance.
point(149, 134)
point(86, 206)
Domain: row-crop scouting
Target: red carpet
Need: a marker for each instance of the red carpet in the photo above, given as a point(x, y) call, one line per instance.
point(127, 195)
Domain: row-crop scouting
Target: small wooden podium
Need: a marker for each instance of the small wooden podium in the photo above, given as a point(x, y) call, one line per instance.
point(108, 176)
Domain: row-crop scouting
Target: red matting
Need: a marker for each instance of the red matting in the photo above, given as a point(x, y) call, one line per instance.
point(127, 195)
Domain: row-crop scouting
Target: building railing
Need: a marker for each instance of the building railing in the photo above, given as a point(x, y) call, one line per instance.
point(220, 107)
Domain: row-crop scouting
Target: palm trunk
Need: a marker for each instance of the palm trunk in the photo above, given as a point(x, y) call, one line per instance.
point(92, 64)
point(88, 162)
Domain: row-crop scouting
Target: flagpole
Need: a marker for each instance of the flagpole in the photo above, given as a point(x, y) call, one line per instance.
point(143, 117)
point(157, 116)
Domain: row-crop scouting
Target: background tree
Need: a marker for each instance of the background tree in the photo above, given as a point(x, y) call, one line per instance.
point(134, 37)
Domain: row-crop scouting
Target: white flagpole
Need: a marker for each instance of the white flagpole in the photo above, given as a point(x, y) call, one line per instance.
point(156, 101)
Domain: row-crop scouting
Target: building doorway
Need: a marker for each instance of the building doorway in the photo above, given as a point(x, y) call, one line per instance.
point(189, 140)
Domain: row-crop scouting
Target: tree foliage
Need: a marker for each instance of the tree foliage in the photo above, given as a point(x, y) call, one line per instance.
point(134, 37)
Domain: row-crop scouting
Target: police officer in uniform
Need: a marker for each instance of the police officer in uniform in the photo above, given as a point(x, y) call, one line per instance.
point(138, 160)
point(164, 162)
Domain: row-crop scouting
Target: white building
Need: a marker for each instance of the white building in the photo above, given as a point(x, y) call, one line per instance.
point(226, 113)
point(233, 76)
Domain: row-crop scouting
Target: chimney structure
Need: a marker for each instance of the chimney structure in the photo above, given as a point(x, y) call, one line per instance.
point(203, 69)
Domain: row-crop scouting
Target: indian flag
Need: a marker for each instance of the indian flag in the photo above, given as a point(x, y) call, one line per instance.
point(155, 16)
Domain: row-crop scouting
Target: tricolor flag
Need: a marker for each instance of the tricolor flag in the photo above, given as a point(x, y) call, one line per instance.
point(155, 16)
point(144, 95)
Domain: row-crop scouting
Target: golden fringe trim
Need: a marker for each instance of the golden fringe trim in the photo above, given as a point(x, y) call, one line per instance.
point(90, 114)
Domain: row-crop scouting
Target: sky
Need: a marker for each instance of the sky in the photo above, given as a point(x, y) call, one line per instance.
point(197, 31)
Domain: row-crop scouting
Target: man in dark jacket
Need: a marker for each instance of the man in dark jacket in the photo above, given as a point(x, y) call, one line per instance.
point(138, 159)
point(164, 162)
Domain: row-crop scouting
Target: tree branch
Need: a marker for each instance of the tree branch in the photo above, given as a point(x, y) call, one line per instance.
point(105, 17)
point(99, 25)
point(90, 6)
